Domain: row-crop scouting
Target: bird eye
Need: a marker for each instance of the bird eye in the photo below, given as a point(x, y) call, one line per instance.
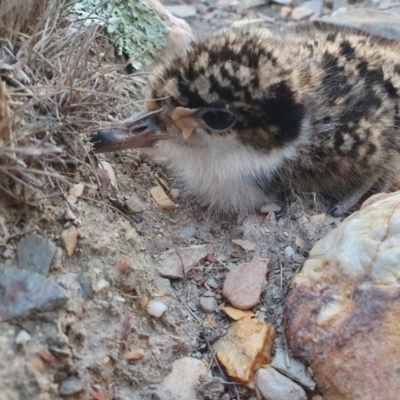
point(219, 120)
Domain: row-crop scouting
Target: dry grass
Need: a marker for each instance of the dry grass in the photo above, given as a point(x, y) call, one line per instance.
point(53, 86)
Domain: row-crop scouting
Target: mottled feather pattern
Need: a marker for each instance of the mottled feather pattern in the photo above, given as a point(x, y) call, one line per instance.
point(316, 108)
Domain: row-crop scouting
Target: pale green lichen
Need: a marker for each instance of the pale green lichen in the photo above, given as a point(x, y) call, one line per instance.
point(136, 29)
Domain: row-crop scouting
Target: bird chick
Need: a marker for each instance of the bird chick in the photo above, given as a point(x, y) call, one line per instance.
point(244, 118)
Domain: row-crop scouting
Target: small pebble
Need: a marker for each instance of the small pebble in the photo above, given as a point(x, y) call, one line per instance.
point(123, 266)
point(23, 337)
point(208, 304)
point(244, 284)
point(69, 238)
point(289, 252)
point(275, 386)
point(37, 363)
point(102, 285)
point(286, 12)
point(46, 355)
point(71, 386)
point(77, 190)
point(155, 308)
point(134, 355)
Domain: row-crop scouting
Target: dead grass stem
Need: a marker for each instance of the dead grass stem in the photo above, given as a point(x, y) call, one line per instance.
point(53, 87)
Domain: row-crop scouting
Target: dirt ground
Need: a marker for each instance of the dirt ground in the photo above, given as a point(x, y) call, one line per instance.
point(104, 319)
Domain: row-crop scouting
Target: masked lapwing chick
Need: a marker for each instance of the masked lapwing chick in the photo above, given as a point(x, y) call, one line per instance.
point(244, 118)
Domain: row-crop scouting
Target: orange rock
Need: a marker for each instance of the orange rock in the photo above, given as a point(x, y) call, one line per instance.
point(162, 199)
point(237, 314)
point(343, 315)
point(245, 348)
point(37, 363)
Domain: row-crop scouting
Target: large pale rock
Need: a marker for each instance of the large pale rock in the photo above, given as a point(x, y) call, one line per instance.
point(245, 348)
point(343, 315)
point(185, 377)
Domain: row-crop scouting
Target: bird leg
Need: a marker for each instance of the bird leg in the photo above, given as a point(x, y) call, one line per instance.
point(345, 204)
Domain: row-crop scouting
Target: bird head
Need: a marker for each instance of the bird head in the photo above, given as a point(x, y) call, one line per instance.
point(234, 86)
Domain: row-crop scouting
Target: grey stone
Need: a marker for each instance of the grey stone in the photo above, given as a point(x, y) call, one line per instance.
point(22, 292)
point(85, 281)
point(208, 304)
point(70, 386)
point(289, 252)
point(183, 11)
point(163, 284)
point(188, 232)
point(134, 204)
point(376, 22)
point(35, 254)
point(275, 386)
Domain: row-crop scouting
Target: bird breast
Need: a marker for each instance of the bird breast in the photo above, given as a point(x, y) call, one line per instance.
point(224, 174)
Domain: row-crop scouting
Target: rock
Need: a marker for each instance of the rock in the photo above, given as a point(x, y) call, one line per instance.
point(134, 355)
point(173, 262)
point(69, 215)
point(244, 284)
point(23, 337)
point(46, 355)
point(289, 252)
point(102, 286)
point(69, 238)
point(184, 378)
point(249, 24)
point(76, 190)
point(163, 284)
point(318, 219)
point(286, 12)
point(210, 388)
point(22, 292)
point(208, 304)
point(135, 204)
point(292, 368)
point(162, 199)
point(246, 4)
point(268, 208)
point(237, 314)
point(155, 308)
point(123, 266)
point(245, 348)
point(71, 386)
point(344, 310)
point(376, 22)
point(106, 166)
point(185, 11)
point(85, 281)
point(308, 9)
point(36, 254)
point(275, 386)
point(245, 244)
point(37, 364)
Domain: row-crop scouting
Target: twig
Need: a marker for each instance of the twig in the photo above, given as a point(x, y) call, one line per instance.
point(188, 308)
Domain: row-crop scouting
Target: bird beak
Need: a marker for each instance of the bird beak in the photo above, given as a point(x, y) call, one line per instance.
point(134, 133)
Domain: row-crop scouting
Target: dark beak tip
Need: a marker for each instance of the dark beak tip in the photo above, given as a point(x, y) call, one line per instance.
point(100, 140)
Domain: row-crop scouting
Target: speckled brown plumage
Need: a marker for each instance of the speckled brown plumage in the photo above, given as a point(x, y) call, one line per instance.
point(250, 116)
